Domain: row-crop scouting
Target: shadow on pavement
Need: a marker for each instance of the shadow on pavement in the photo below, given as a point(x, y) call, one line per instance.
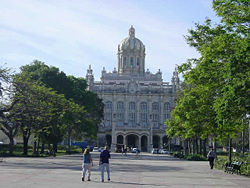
point(125, 166)
point(127, 183)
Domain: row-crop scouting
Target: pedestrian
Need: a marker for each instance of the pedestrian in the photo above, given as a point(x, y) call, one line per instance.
point(104, 163)
point(87, 163)
point(211, 156)
point(125, 150)
point(122, 150)
point(137, 151)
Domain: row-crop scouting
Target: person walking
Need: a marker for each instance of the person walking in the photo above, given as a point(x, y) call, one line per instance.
point(125, 150)
point(137, 151)
point(104, 163)
point(211, 156)
point(87, 163)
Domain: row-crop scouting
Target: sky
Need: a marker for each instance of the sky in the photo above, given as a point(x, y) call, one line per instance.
point(73, 34)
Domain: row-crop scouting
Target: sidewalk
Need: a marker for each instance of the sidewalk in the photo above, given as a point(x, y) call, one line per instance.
point(147, 170)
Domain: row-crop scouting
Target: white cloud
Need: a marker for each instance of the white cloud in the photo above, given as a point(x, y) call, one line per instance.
point(73, 34)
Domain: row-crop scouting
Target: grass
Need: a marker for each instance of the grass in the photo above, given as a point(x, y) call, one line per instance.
point(245, 168)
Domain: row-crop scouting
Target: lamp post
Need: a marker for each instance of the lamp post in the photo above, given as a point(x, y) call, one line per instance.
point(113, 140)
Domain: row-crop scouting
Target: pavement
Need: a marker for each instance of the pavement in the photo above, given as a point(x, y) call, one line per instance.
point(146, 170)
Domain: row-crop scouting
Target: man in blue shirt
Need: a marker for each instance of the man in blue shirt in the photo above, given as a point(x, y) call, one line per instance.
point(104, 162)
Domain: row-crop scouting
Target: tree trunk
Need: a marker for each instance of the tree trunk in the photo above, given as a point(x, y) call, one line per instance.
point(189, 146)
point(69, 144)
point(183, 146)
point(204, 148)
point(11, 145)
point(38, 145)
point(200, 146)
point(186, 147)
point(215, 146)
point(193, 146)
point(243, 142)
point(196, 146)
point(169, 144)
point(42, 148)
point(230, 149)
point(55, 147)
point(34, 147)
point(25, 145)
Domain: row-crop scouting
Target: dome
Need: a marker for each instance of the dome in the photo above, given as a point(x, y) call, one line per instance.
point(131, 42)
point(131, 55)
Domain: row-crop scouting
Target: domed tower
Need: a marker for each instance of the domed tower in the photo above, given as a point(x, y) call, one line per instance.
point(131, 55)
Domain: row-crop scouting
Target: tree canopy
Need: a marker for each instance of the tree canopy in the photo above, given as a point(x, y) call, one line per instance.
point(217, 98)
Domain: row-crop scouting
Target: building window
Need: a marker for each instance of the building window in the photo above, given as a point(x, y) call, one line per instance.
point(155, 114)
point(131, 61)
point(131, 106)
point(120, 113)
point(143, 114)
point(155, 106)
point(108, 114)
point(138, 61)
point(166, 111)
point(124, 62)
point(120, 105)
point(132, 114)
point(167, 106)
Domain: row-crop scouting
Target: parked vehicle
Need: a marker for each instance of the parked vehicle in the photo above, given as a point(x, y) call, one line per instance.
point(154, 151)
point(95, 149)
point(164, 151)
point(134, 150)
point(101, 149)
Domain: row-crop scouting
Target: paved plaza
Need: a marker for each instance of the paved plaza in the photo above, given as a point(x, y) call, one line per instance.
point(147, 170)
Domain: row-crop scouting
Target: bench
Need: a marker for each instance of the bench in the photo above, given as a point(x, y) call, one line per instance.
point(233, 167)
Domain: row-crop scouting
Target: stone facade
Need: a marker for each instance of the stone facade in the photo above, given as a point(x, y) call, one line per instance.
point(137, 102)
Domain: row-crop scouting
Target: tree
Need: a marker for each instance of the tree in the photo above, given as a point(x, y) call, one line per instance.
point(35, 107)
point(72, 88)
point(220, 77)
point(6, 105)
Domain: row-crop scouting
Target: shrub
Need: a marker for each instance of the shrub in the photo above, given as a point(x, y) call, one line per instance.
point(245, 167)
point(195, 157)
point(178, 155)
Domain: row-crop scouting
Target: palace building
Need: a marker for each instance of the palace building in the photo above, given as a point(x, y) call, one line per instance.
point(136, 102)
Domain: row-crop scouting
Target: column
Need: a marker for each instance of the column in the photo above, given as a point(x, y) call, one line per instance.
point(126, 111)
point(139, 145)
point(113, 142)
point(160, 146)
point(149, 143)
point(114, 124)
point(124, 140)
point(137, 112)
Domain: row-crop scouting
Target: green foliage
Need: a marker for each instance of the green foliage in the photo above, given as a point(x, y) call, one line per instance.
point(50, 105)
point(215, 96)
point(245, 167)
point(74, 90)
point(178, 155)
point(196, 157)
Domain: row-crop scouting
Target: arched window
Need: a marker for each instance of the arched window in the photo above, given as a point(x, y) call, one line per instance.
point(108, 114)
point(120, 113)
point(124, 61)
point(131, 106)
point(166, 110)
point(138, 61)
point(167, 106)
point(132, 114)
point(155, 106)
point(120, 105)
point(143, 114)
point(155, 114)
point(131, 61)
